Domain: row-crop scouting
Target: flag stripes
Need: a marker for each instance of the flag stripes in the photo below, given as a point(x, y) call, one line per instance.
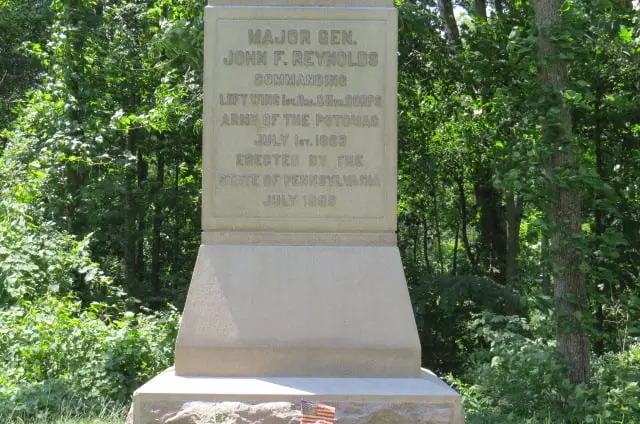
point(317, 413)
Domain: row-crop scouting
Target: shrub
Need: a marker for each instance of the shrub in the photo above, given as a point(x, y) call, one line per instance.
point(520, 378)
point(614, 393)
point(66, 342)
point(37, 258)
point(55, 352)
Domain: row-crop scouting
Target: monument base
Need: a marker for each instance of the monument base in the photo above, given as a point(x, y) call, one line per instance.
point(295, 310)
point(168, 398)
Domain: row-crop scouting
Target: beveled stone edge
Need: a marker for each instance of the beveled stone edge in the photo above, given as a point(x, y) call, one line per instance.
point(269, 389)
point(300, 238)
point(392, 362)
point(302, 3)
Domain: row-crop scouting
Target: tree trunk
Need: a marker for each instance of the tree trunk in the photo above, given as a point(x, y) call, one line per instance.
point(493, 235)
point(450, 25)
point(480, 9)
point(438, 233)
point(544, 266)
point(464, 221)
point(600, 227)
point(141, 216)
point(570, 287)
point(157, 229)
point(416, 241)
point(454, 266)
point(425, 245)
point(130, 218)
point(514, 218)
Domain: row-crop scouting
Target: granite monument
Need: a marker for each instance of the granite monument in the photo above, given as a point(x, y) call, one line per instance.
point(298, 289)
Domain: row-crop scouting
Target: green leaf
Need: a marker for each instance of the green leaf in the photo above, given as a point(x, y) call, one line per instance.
point(625, 34)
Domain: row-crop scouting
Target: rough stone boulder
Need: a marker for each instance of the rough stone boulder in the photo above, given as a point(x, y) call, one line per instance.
point(288, 413)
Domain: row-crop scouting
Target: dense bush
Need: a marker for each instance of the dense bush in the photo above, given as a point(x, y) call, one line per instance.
point(37, 259)
point(520, 378)
point(55, 352)
point(66, 338)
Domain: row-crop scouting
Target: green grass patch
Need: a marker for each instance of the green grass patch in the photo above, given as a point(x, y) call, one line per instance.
point(111, 413)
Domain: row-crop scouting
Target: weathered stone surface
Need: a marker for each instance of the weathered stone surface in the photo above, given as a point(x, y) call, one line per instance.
point(298, 311)
point(299, 122)
point(221, 412)
point(298, 254)
point(169, 398)
point(287, 413)
point(303, 3)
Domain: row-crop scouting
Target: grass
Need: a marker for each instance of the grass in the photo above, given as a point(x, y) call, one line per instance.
point(70, 414)
point(117, 415)
point(119, 420)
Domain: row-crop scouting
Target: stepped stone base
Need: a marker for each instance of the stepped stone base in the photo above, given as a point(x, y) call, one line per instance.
point(170, 399)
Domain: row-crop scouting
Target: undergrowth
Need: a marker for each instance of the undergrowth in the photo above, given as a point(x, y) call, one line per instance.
point(74, 413)
point(518, 377)
point(59, 357)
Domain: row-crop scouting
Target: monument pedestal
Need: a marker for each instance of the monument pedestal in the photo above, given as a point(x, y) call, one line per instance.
point(285, 310)
point(266, 326)
point(276, 400)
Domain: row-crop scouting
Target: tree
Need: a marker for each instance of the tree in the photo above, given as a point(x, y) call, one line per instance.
point(21, 22)
point(565, 207)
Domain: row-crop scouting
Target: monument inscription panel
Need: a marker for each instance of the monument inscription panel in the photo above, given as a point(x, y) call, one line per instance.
point(299, 121)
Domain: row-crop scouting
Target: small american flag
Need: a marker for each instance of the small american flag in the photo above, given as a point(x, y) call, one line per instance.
point(317, 413)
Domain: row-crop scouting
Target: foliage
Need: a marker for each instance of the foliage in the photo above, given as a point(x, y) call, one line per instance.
point(36, 259)
point(444, 305)
point(55, 352)
point(21, 24)
point(100, 134)
point(112, 157)
point(74, 413)
point(520, 377)
point(66, 337)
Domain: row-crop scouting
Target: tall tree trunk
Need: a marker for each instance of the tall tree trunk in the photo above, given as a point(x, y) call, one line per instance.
point(600, 225)
point(425, 244)
point(514, 218)
point(450, 25)
point(493, 235)
point(464, 221)
point(157, 229)
point(75, 178)
point(416, 241)
point(570, 287)
point(141, 216)
point(130, 228)
point(480, 9)
point(454, 265)
point(179, 217)
point(438, 233)
point(544, 266)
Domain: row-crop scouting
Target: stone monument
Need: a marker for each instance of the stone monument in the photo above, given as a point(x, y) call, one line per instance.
point(298, 290)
